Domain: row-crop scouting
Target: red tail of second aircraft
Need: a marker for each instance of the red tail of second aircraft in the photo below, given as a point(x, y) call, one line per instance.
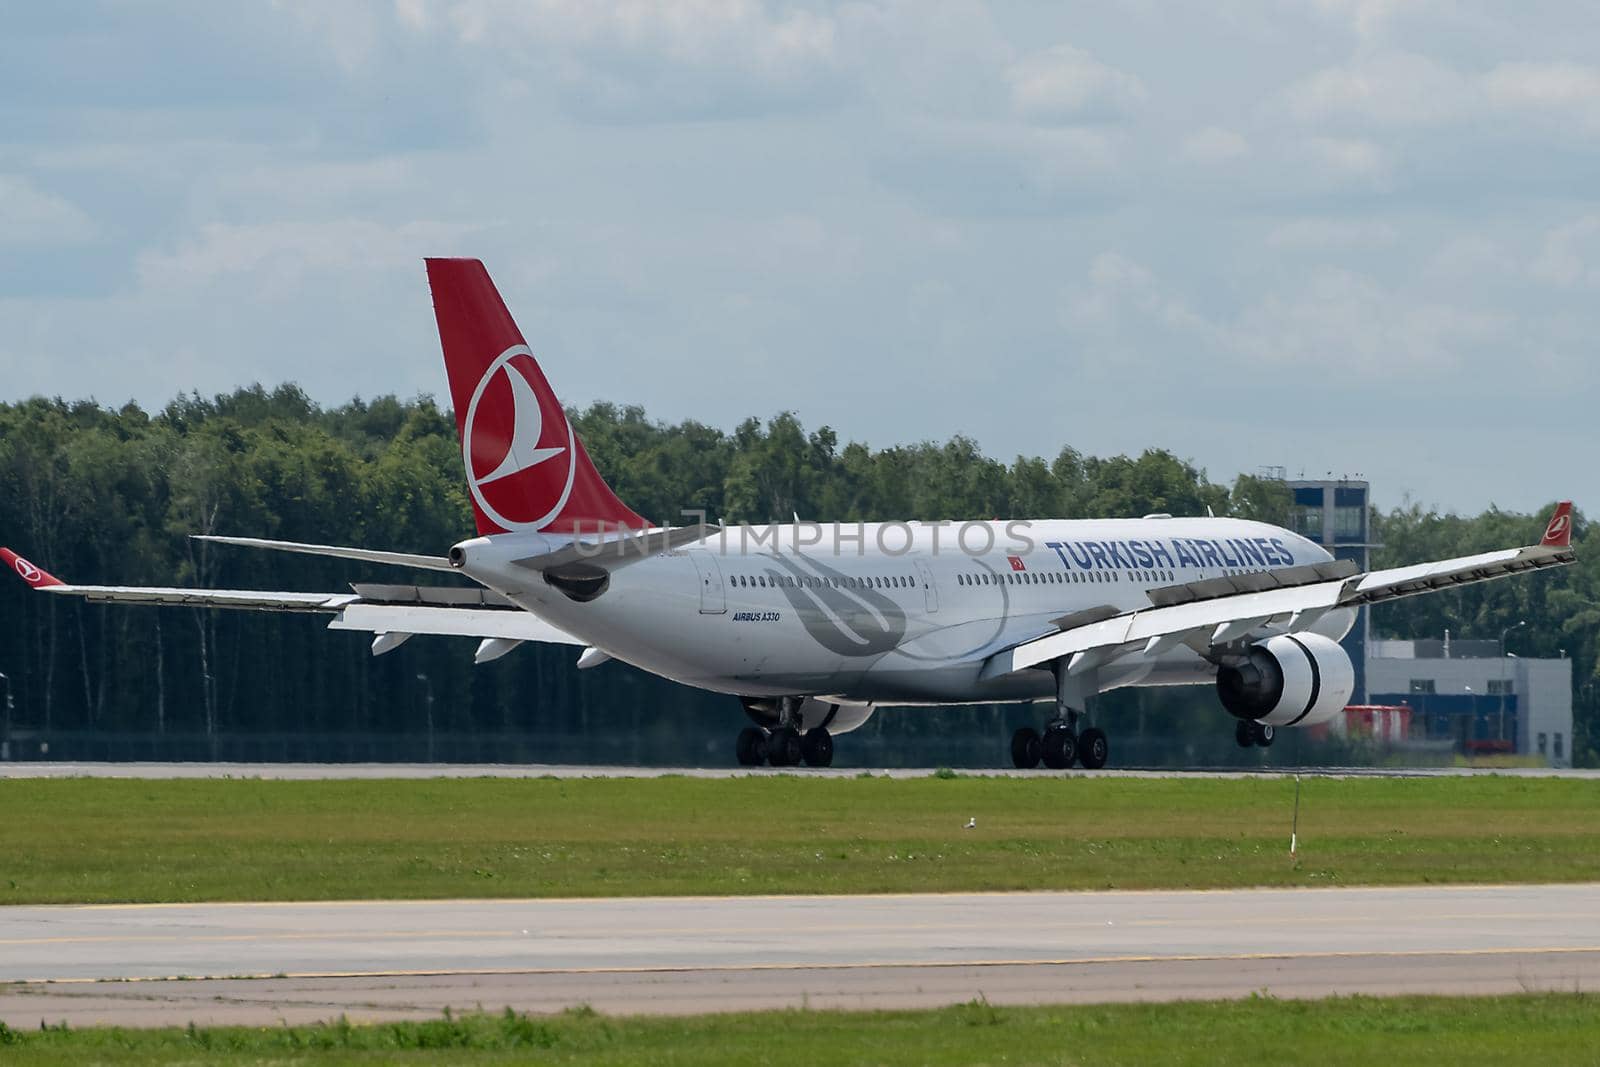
point(37, 577)
point(1558, 531)
point(526, 468)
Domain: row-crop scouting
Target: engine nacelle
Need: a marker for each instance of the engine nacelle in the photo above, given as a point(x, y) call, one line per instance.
point(1290, 680)
point(814, 712)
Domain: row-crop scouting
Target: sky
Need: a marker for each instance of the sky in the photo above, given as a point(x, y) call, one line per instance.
point(1344, 237)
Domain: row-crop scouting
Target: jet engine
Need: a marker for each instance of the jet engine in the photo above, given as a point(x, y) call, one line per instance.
point(1297, 679)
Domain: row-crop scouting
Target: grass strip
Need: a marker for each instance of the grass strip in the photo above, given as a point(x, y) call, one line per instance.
point(1543, 1028)
point(106, 840)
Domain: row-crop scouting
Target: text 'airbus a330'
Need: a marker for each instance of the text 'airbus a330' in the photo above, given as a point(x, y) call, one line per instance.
point(812, 626)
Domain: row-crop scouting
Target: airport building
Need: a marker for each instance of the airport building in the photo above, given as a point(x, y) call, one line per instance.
point(1467, 696)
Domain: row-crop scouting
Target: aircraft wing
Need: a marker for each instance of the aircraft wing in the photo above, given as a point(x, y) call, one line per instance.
point(1223, 610)
point(379, 609)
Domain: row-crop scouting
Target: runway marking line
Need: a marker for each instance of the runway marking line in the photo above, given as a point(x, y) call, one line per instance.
point(467, 972)
point(820, 899)
point(572, 934)
point(91, 939)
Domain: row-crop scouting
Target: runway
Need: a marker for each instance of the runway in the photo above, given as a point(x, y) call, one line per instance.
point(324, 771)
point(261, 963)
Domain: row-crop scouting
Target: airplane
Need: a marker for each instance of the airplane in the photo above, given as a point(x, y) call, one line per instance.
point(814, 626)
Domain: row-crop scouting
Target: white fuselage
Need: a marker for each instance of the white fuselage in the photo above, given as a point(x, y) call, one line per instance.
point(888, 613)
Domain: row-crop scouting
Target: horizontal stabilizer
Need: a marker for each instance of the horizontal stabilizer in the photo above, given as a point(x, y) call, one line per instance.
point(365, 555)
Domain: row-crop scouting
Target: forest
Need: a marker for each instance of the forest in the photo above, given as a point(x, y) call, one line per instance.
point(110, 496)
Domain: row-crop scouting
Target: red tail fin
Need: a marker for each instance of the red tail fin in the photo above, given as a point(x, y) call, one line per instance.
point(526, 468)
point(34, 576)
point(1558, 533)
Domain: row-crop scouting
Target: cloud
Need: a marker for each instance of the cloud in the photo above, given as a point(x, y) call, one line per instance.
point(1383, 89)
point(1570, 256)
point(33, 216)
point(649, 60)
point(1560, 90)
point(1349, 156)
point(1368, 18)
point(1327, 321)
point(988, 170)
point(1214, 144)
point(281, 254)
point(1324, 233)
point(1392, 89)
point(1347, 323)
point(1066, 85)
point(1123, 299)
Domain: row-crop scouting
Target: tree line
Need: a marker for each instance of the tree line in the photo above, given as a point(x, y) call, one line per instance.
point(102, 496)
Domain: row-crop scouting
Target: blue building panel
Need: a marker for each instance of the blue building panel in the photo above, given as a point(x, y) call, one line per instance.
point(1347, 497)
point(1308, 496)
point(1457, 716)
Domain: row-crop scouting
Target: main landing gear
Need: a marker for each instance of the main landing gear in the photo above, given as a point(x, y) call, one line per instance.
point(784, 746)
point(1060, 747)
point(1061, 744)
point(1250, 734)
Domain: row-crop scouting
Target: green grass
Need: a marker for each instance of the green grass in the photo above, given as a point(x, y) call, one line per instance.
point(1547, 1029)
point(99, 840)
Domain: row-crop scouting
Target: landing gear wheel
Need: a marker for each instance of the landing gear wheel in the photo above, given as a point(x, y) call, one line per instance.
point(1244, 734)
point(1093, 748)
point(752, 746)
point(1025, 748)
point(783, 747)
point(1263, 734)
point(816, 748)
point(1059, 748)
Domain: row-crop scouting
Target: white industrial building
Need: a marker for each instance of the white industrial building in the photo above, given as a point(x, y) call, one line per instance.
point(1467, 693)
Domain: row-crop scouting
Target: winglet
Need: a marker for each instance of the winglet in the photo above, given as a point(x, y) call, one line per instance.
point(1558, 534)
point(39, 579)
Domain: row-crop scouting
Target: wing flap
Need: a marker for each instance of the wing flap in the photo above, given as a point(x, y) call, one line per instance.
point(451, 622)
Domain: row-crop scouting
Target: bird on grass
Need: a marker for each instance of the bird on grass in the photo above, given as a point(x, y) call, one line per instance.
point(972, 823)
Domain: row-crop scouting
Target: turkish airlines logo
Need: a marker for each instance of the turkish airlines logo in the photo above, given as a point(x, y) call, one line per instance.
point(1558, 526)
point(28, 571)
point(841, 613)
point(517, 445)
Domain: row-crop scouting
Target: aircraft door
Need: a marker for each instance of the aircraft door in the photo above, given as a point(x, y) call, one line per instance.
point(930, 592)
point(712, 599)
